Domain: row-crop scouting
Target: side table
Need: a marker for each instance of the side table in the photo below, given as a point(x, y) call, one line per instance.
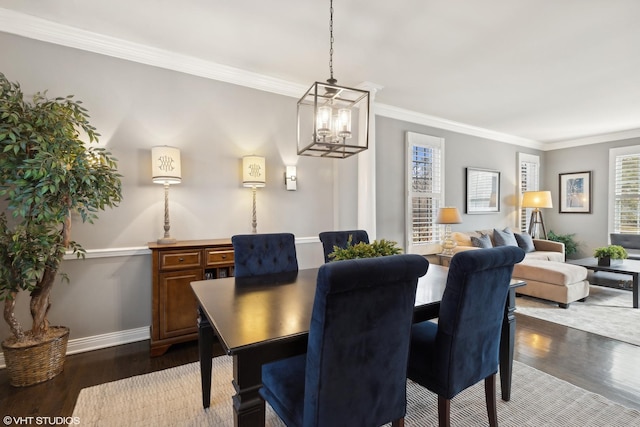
point(444, 259)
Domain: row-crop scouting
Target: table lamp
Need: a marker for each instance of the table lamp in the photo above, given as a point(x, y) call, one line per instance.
point(165, 166)
point(448, 216)
point(536, 200)
point(253, 175)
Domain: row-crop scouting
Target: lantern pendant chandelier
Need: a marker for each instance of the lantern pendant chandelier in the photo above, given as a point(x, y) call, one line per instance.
point(333, 121)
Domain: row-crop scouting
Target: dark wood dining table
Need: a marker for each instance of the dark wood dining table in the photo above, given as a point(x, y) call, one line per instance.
point(265, 318)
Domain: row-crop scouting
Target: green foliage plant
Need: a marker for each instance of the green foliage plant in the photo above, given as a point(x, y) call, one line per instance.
point(365, 250)
point(611, 251)
point(570, 245)
point(47, 172)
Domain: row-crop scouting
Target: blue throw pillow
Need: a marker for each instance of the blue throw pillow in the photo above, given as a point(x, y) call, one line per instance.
point(525, 242)
point(484, 241)
point(504, 237)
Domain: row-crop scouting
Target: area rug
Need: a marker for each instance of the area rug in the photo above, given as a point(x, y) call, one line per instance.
point(607, 311)
point(173, 398)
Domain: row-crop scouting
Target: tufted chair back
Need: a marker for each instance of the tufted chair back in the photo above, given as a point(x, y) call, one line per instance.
point(462, 348)
point(257, 254)
point(355, 369)
point(330, 239)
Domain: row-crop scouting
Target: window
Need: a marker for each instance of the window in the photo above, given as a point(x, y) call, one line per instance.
point(624, 192)
point(425, 184)
point(529, 173)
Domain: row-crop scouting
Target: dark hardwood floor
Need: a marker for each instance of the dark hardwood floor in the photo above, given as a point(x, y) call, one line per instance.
point(608, 367)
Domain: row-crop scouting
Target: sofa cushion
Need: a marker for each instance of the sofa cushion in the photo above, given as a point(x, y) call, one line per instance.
point(484, 241)
point(525, 242)
point(504, 237)
point(556, 273)
point(545, 256)
point(462, 239)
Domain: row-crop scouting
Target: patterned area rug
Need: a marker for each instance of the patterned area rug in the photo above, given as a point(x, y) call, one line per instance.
point(607, 311)
point(173, 397)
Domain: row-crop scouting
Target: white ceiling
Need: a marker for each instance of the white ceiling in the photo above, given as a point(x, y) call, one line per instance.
point(545, 71)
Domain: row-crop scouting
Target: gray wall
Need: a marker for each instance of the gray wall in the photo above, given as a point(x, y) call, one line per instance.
point(135, 107)
point(214, 124)
point(590, 229)
point(461, 151)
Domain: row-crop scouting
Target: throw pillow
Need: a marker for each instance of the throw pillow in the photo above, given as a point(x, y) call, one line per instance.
point(525, 242)
point(504, 237)
point(484, 241)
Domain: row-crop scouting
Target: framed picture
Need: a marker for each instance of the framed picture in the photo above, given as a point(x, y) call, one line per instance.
point(575, 192)
point(483, 191)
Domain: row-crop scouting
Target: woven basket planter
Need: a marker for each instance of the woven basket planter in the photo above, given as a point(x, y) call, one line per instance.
point(39, 362)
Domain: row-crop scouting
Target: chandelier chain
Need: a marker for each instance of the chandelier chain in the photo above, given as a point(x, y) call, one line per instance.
point(331, 39)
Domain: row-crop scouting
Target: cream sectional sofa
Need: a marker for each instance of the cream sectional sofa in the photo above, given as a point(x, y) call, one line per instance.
point(543, 268)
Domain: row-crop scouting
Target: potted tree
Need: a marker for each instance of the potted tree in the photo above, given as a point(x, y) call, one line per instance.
point(611, 255)
point(47, 173)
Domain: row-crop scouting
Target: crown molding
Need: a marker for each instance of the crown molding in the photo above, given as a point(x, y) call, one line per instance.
point(51, 32)
point(440, 123)
point(595, 139)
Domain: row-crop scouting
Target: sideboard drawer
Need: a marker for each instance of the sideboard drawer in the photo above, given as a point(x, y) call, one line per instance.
point(217, 257)
point(180, 259)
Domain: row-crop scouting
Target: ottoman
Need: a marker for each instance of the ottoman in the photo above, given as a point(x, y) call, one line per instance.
point(553, 281)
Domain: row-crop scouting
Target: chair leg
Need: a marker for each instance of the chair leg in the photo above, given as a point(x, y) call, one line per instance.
point(398, 423)
point(444, 412)
point(490, 397)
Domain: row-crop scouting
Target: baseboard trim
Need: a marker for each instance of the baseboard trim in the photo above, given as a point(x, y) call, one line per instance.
point(96, 342)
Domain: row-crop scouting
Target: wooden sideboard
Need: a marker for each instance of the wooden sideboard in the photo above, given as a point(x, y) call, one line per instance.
point(173, 305)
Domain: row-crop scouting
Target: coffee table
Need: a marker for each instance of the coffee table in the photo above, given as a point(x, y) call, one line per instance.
point(628, 266)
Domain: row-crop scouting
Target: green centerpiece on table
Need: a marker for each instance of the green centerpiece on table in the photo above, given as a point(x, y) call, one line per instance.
point(365, 250)
point(611, 255)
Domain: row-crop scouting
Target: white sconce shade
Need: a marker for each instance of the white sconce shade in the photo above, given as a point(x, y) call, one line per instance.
point(165, 165)
point(253, 171)
point(290, 178)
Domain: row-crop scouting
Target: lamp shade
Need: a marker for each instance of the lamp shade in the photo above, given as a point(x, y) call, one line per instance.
point(165, 165)
point(448, 215)
point(253, 171)
point(537, 199)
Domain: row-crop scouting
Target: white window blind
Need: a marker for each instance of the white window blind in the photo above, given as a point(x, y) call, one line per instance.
point(425, 192)
point(627, 194)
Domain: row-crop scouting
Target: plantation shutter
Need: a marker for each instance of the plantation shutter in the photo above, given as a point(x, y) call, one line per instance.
point(425, 185)
point(529, 181)
point(627, 194)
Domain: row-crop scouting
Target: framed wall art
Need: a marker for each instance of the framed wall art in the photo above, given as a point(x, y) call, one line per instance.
point(575, 192)
point(483, 191)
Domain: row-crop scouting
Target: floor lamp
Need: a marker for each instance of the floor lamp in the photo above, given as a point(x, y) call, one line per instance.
point(448, 216)
point(253, 175)
point(165, 165)
point(537, 200)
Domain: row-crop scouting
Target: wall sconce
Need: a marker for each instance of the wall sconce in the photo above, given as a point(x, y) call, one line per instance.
point(254, 176)
point(290, 178)
point(165, 169)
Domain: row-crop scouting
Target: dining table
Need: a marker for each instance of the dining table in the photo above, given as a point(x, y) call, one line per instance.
point(264, 318)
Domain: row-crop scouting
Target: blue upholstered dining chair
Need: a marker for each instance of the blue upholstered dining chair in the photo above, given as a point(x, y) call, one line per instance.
point(256, 254)
point(462, 348)
point(354, 372)
point(330, 239)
